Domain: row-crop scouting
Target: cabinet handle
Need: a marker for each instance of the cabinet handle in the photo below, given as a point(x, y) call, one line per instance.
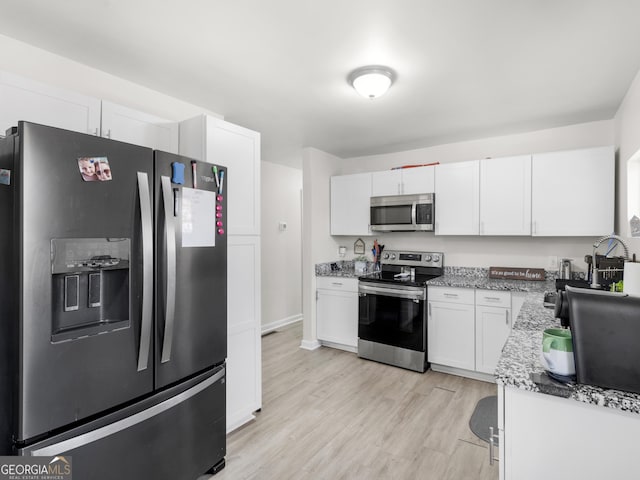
point(429, 308)
point(108, 134)
point(506, 317)
point(95, 132)
point(336, 283)
point(493, 299)
point(492, 439)
point(451, 295)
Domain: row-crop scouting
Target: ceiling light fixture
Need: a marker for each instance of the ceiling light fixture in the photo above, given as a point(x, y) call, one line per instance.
point(372, 81)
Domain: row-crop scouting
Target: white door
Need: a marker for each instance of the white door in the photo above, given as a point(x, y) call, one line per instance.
point(238, 149)
point(244, 373)
point(132, 126)
point(386, 182)
point(505, 196)
point(493, 325)
point(458, 198)
point(418, 180)
point(337, 317)
point(350, 204)
point(25, 99)
point(451, 335)
point(573, 192)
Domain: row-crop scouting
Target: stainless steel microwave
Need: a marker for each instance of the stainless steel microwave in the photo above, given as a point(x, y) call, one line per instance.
point(403, 213)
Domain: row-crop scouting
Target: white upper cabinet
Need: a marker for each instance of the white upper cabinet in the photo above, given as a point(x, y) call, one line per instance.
point(457, 198)
point(238, 148)
point(573, 192)
point(386, 182)
point(350, 204)
point(505, 196)
point(132, 126)
point(403, 181)
point(25, 99)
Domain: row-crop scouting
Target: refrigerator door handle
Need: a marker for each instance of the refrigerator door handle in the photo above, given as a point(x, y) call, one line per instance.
point(146, 221)
point(170, 240)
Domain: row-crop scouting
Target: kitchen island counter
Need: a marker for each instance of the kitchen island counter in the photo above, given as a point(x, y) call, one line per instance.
point(521, 357)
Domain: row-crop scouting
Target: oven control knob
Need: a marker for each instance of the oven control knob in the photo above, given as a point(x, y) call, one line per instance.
point(427, 258)
point(436, 258)
point(385, 256)
point(393, 256)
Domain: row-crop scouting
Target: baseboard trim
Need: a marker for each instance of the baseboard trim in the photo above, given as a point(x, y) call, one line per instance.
point(310, 344)
point(484, 377)
point(283, 322)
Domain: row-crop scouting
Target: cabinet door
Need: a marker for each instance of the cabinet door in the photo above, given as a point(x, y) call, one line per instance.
point(131, 126)
point(387, 182)
point(418, 180)
point(585, 441)
point(350, 204)
point(451, 335)
point(244, 371)
point(573, 192)
point(458, 198)
point(505, 196)
point(239, 149)
point(25, 99)
point(337, 317)
point(493, 325)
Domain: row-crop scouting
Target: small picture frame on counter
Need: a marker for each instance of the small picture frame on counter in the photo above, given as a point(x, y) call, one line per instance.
point(358, 247)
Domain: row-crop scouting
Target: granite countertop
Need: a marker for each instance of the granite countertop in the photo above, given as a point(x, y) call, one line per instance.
point(455, 279)
point(521, 357)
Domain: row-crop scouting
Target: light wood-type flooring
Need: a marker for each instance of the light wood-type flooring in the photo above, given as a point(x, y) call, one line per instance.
point(328, 414)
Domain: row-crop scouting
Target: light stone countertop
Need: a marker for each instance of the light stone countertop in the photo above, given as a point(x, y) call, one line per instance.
point(521, 353)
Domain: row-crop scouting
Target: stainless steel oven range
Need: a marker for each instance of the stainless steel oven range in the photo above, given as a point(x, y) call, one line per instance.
point(392, 310)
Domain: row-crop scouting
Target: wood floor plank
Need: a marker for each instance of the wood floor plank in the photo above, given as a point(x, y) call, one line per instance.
point(328, 414)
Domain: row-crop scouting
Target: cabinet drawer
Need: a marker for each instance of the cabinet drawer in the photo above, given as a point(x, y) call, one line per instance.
point(493, 298)
point(343, 284)
point(453, 295)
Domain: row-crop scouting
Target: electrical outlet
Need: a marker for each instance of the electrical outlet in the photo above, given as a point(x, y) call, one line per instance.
point(553, 263)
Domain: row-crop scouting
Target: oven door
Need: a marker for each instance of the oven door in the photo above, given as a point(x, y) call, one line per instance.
point(393, 315)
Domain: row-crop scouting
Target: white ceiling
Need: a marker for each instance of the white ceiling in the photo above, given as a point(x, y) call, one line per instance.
point(465, 68)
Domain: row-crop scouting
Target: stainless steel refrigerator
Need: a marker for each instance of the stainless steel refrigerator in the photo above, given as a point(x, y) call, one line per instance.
point(113, 315)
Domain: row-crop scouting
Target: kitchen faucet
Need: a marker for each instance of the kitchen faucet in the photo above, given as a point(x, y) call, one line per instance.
point(596, 245)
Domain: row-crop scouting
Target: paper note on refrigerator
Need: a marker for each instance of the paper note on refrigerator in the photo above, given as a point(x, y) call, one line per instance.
point(198, 218)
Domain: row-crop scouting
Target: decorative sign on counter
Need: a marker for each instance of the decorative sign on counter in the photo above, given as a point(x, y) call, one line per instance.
point(517, 273)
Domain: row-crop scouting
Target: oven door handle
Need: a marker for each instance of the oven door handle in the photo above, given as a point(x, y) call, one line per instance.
point(415, 293)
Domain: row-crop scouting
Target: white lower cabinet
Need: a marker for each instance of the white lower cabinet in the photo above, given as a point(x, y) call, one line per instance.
point(451, 327)
point(467, 327)
point(337, 312)
point(559, 438)
point(244, 352)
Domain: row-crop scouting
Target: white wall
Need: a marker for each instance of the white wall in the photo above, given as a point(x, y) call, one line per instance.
point(281, 255)
point(37, 64)
point(317, 245)
point(627, 127)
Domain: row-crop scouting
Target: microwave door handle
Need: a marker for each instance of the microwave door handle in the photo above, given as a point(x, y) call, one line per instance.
point(414, 219)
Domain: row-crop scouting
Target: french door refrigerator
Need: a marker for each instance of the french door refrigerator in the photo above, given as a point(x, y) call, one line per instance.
point(113, 262)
